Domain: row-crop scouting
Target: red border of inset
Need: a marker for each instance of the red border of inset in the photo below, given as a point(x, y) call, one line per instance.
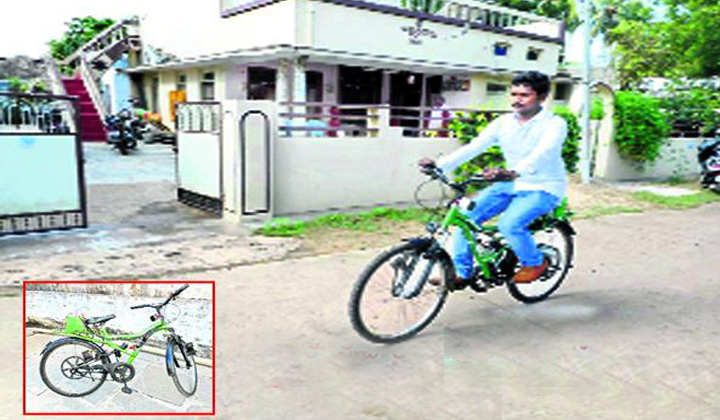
point(214, 348)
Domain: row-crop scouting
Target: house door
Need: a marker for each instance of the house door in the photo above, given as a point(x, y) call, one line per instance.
point(406, 92)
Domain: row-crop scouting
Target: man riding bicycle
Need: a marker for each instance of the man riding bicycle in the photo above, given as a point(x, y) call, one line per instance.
point(531, 139)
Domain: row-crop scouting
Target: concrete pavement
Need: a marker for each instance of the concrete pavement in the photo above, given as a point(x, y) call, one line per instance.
point(153, 389)
point(633, 334)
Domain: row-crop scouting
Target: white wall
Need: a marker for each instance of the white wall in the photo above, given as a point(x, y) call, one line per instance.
point(195, 324)
point(678, 159)
point(345, 29)
point(317, 174)
point(193, 29)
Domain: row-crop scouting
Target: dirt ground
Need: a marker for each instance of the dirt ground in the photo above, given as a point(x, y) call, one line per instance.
point(585, 201)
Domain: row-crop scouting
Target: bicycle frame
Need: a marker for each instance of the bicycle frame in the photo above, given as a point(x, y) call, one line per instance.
point(455, 217)
point(102, 337)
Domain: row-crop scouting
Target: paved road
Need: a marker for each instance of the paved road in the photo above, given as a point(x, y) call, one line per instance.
point(633, 334)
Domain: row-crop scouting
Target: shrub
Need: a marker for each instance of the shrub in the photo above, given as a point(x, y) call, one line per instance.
point(467, 126)
point(640, 128)
point(696, 107)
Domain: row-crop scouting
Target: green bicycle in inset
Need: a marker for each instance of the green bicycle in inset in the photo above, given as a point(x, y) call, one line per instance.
point(393, 300)
point(78, 364)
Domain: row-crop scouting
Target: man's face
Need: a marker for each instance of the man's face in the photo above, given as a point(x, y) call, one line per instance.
point(525, 101)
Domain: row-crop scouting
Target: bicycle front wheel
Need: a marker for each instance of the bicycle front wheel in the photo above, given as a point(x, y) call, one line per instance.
point(182, 368)
point(556, 244)
point(73, 367)
point(392, 299)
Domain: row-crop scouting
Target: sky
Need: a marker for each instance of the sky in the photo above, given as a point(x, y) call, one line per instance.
point(27, 26)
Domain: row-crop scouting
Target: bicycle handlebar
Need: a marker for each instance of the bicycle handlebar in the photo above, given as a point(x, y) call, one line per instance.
point(436, 173)
point(171, 297)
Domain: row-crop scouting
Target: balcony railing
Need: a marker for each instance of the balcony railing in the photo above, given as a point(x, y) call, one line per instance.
point(501, 17)
point(318, 119)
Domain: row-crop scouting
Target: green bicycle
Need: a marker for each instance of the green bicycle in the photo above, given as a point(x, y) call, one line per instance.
point(392, 300)
point(78, 364)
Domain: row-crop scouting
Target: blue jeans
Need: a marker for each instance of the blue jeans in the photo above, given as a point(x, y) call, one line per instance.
point(520, 209)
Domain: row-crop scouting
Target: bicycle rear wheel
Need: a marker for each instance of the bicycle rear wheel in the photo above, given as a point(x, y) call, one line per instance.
point(392, 300)
point(182, 368)
point(73, 367)
point(557, 245)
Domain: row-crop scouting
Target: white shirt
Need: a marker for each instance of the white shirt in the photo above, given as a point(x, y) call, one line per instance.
point(533, 149)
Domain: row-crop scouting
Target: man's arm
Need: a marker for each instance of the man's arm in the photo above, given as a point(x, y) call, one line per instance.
point(550, 143)
point(479, 144)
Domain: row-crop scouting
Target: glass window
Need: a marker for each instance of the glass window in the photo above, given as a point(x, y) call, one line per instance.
point(207, 87)
point(501, 49)
point(496, 88)
point(261, 83)
point(562, 92)
point(533, 54)
point(181, 82)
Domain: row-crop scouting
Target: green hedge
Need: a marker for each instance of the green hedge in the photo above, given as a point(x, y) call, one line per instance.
point(641, 129)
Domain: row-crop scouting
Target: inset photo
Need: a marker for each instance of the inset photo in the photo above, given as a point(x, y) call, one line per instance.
point(119, 347)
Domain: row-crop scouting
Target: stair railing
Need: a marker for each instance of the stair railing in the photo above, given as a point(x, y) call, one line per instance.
point(91, 86)
point(69, 113)
point(118, 32)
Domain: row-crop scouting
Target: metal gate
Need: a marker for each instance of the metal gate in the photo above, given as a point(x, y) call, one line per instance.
point(199, 155)
point(42, 183)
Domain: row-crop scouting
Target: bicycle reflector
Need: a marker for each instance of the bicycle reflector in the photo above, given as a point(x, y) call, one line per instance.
point(74, 325)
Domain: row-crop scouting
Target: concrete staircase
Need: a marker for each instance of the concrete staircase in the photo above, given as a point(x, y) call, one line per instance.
point(91, 125)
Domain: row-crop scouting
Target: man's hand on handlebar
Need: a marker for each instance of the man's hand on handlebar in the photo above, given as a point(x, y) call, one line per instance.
point(427, 166)
point(499, 174)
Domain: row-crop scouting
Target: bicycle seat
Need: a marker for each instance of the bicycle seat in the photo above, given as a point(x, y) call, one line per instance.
point(100, 319)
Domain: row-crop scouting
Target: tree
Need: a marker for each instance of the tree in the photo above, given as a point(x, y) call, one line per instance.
point(79, 31)
point(556, 9)
point(694, 35)
point(641, 50)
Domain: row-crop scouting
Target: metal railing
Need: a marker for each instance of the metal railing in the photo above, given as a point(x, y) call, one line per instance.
point(319, 119)
point(122, 31)
point(502, 17)
point(37, 113)
point(197, 117)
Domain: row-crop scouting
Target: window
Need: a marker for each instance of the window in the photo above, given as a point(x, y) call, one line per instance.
point(501, 49)
point(181, 82)
point(562, 92)
point(496, 88)
point(261, 83)
point(533, 54)
point(207, 87)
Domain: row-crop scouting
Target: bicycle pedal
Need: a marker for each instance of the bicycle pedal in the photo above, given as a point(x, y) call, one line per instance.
point(126, 390)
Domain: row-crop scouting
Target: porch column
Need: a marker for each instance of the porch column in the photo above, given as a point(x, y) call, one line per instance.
point(282, 90)
point(299, 93)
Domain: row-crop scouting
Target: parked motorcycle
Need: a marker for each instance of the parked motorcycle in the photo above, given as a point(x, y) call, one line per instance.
point(709, 159)
point(125, 129)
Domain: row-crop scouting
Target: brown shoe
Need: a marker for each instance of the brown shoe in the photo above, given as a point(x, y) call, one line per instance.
point(530, 274)
point(457, 283)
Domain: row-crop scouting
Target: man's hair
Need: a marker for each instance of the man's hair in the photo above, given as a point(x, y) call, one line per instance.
point(539, 82)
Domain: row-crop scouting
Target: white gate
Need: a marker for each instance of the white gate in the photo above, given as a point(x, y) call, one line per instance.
point(42, 184)
point(199, 155)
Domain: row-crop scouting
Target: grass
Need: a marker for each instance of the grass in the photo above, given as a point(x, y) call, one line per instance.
point(597, 211)
point(678, 202)
point(365, 222)
point(377, 219)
